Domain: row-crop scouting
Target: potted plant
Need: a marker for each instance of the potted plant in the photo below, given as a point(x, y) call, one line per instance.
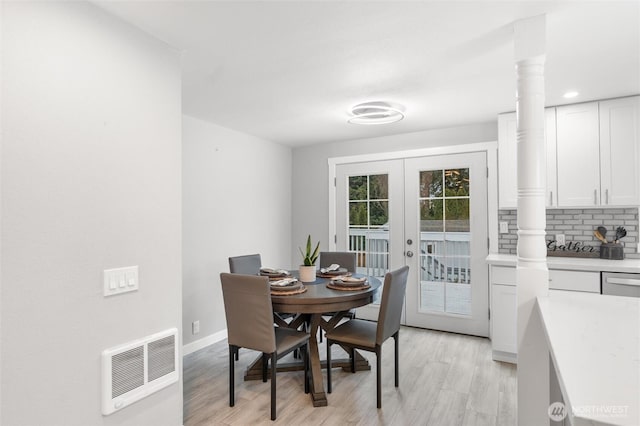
point(308, 267)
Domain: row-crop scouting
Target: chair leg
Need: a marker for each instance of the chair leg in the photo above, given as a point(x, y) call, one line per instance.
point(396, 338)
point(379, 376)
point(237, 355)
point(231, 377)
point(328, 366)
point(264, 367)
point(353, 360)
point(305, 355)
point(273, 385)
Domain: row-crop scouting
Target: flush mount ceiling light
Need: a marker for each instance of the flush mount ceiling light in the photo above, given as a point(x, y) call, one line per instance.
point(570, 95)
point(376, 113)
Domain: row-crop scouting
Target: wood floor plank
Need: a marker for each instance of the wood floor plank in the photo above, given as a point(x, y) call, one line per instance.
point(449, 408)
point(485, 385)
point(445, 379)
point(462, 364)
point(473, 418)
point(507, 399)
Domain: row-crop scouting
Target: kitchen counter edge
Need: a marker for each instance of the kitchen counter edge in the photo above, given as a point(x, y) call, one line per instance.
point(573, 263)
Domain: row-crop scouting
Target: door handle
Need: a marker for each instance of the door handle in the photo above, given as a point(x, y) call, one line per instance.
point(409, 253)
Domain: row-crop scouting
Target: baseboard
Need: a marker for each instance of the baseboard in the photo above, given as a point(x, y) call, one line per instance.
point(204, 342)
point(505, 357)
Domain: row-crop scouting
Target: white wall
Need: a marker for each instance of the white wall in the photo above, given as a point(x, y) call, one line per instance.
point(236, 200)
point(90, 180)
point(310, 171)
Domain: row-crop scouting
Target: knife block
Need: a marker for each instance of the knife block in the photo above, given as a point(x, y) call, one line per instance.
point(611, 251)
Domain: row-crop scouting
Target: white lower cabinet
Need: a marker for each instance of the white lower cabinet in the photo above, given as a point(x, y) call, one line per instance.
point(503, 321)
point(504, 339)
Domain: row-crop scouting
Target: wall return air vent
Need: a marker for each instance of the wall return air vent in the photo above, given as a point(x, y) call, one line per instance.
point(134, 370)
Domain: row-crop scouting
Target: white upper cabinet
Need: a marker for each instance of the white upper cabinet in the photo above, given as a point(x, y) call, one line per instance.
point(593, 155)
point(620, 151)
point(508, 160)
point(578, 150)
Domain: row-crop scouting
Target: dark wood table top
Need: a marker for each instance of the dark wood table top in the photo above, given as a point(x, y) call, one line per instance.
point(319, 298)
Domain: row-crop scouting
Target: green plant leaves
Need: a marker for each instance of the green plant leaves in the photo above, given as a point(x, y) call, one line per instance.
point(309, 257)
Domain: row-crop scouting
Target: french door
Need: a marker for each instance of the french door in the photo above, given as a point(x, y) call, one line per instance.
point(429, 213)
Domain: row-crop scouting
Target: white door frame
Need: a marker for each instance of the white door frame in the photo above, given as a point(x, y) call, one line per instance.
point(491, 149)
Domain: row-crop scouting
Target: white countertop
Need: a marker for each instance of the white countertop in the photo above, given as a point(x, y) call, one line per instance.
point(573, 263)
point(594, 341)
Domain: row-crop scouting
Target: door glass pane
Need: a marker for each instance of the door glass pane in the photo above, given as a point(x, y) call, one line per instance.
point(369, 224)
point(378, 187)
point(431, 183)
point(445, 253)
point(456, 182)
point(457, 215)
point(358, 213)
point(431, 216)
point(357, 187)
point(379, 213)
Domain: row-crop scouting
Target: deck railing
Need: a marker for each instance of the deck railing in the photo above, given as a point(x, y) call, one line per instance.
point(372, 250)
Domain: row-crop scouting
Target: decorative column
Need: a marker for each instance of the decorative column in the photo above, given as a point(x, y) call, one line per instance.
point(532, 272)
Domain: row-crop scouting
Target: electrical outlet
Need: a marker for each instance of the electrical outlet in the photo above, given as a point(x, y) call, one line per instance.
point(560, 240)
point(195, 327)
point(504, 227)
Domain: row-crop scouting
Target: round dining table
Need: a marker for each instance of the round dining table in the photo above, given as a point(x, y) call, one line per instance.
point(311, 307)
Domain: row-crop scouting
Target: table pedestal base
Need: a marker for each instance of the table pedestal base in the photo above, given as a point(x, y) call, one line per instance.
point(318, 395)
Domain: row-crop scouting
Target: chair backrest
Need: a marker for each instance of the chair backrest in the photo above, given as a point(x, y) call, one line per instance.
point(249, 264)
point(249, 313)
point(343, 258)
point(393, 290)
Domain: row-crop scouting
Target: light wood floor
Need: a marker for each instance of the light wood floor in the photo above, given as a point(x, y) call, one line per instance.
point(445, 380)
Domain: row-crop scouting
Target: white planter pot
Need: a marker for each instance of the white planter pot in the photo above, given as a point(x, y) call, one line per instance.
point(307, 273)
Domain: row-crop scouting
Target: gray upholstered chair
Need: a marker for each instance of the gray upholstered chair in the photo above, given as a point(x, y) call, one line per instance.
point(249, 313)
point(346, 260)
point(249, 264)
point(369, 336)
point(343, 258)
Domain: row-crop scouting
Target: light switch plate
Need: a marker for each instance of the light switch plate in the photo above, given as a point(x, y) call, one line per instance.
point(504, 227)
point(560, 240)
point(120, 280)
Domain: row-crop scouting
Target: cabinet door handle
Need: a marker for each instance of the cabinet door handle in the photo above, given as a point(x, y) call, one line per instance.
point(595, 197)
point(606, 194)
point(551, 198)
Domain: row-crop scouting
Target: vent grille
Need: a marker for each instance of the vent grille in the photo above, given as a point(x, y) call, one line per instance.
point(137, 369)
point(127, 371)
point(161, 357)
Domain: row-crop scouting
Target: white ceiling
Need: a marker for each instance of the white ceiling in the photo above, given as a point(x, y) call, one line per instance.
point(290, 71)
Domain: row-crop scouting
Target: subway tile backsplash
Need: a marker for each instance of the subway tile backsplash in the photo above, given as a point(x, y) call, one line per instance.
point(577, 225)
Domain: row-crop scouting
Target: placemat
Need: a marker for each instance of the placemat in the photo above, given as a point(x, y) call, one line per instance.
point(344, 274)
point(289, 292)
point(276, 277)
point(348, 288)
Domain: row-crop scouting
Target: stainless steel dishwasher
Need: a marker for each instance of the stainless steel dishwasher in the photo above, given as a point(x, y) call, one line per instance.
point(621, 284)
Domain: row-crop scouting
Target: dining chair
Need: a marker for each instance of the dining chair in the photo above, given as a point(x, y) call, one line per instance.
point(369, 336)
point(346, 260)
point(249, 314)
point(249, 264)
